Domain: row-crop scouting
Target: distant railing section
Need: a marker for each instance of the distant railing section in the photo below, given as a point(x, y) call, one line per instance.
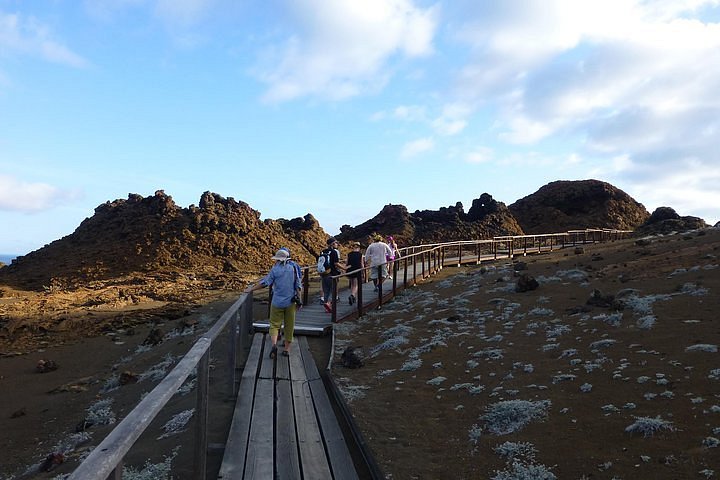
point(416, 262)
point(420, 261)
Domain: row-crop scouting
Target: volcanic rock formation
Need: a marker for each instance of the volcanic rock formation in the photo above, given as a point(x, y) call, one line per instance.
point(219, 238)
point(665, 220)
point(485, 219)
point(569, 205)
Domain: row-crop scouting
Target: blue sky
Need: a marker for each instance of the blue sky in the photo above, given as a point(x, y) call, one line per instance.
point(420, 103)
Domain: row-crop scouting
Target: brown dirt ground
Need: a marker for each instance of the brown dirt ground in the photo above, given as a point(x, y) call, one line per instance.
point(418, 429)
point(440, 355)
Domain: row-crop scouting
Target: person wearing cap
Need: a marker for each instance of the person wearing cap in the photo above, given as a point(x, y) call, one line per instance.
point(335, 269)
point(286, 289)
point(376, 256)
point(298, 268)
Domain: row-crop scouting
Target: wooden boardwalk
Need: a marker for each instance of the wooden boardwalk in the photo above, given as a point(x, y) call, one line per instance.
point(284, 426)
point(312, 319)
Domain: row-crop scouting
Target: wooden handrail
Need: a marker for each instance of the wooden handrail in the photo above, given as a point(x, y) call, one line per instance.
point(106, 460)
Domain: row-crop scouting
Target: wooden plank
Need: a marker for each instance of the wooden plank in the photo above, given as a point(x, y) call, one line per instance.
point(282, 365)
point(260, 454)
point(267, 364)
point(340, 459)
point(287, 460)
point(312, 452)
point(233, 462)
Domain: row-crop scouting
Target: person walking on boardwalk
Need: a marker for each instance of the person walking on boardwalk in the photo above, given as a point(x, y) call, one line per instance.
point(355, 264)
point(376, 256)
point(285, 298)
point(335, 269)
point(393, 256)
point(298, 268)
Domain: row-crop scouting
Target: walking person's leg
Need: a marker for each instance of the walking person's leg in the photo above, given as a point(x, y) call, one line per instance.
point(289, 322)
point(327, 292)
point(276, 319)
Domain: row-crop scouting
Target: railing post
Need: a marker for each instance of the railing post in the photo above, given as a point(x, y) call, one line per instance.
point(459, 254)
point(405, 271)
point(379, 284)
point(306, 286)
point(333, 315)
point(203, 382)
point(415, 260)
point(116, 474)
point(359, 298)
point(232, 353)
point(394, 277)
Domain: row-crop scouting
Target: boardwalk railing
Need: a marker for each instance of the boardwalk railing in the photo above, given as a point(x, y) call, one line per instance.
point(421, 261)
point(106, 460)
point(416, 262)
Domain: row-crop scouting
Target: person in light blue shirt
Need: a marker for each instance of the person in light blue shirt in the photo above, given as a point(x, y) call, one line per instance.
point(298, 269)
point(286, 290)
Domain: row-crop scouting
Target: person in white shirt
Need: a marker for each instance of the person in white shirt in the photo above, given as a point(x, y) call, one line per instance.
point(376, 256)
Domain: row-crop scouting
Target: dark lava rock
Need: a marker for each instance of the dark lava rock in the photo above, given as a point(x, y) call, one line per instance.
point(570, 205)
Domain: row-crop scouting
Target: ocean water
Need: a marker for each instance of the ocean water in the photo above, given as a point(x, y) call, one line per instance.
point(6, 259)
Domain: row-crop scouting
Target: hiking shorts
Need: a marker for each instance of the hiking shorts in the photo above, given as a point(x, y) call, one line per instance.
point(383, 271)
point(280, 316)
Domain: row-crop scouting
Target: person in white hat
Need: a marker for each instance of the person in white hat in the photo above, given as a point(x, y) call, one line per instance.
point(286, 290)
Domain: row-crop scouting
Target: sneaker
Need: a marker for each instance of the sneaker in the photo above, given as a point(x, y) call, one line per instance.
point(273, 351)
point(351, 299)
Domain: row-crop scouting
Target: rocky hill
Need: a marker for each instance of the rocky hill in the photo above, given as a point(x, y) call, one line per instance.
point(221, 239)
point(222, 243)
point(568, 205)
point(485, 219)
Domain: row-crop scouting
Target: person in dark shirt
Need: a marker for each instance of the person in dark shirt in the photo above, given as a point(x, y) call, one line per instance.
point(336, 268)
point(355, 264)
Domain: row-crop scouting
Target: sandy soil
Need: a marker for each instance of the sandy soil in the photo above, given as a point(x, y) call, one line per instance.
point(608, 370)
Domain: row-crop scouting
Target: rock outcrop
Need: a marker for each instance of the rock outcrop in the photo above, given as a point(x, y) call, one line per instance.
point(665, 220)
point(153, 236)
point(485, 219)
point(569, 205)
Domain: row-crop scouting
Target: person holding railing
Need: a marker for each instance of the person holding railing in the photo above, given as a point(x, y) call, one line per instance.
point(376, 256)
point(394, 255)
point(285, 299)
point(336, 268)
point(355, 265)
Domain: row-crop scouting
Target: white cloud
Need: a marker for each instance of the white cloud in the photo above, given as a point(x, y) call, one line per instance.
point(16, 195)
point(26, 36)
point(182, 12)
point(453, 119)
point(416, 147)
point(413, 113)
point(479, 155)
point(341, 49)
point(690, 187)
point(637, 80)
